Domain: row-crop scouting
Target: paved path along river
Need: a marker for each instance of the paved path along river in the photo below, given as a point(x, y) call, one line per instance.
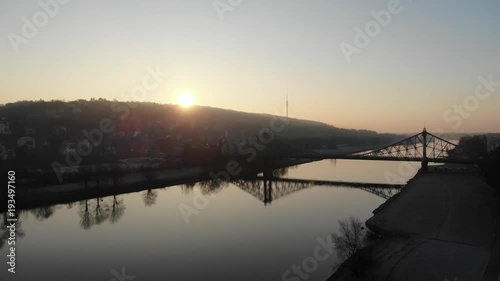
point(442, 226)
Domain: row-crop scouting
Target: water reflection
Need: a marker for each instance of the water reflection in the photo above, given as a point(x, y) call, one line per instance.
point(86, 218)
point(269, 190)
point(96, 211)
point(271, 239)
point(188, 188)
point(5, 232)
point(117, 210)
point(43, 213)
point(102, 211)
point(281, 172)
point(149, 197)
point(212, 187)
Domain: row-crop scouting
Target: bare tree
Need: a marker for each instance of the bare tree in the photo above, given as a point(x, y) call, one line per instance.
point(349, 240)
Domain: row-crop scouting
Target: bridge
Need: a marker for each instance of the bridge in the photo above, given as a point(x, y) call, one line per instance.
point(423, 147)
point(271, 189)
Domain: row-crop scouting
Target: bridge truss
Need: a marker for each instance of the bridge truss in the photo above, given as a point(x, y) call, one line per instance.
point(420, 147)
point(423, 147)
point(268, 190)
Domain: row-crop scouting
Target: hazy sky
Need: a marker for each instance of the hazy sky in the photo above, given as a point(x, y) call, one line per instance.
point(424, 61)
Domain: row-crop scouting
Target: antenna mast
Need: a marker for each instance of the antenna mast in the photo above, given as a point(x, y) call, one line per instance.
point(287, 102)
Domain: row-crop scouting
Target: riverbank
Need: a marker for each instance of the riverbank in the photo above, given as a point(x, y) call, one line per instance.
point(444, 225)
point(115, 184)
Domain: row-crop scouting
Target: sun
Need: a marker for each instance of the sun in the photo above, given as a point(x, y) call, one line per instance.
point(185, 99)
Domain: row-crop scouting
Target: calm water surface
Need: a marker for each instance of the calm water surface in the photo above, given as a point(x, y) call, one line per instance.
point(234, 237)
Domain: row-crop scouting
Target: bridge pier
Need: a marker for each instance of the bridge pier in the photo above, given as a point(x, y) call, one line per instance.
point(268, 173)
point(268, 185)
point(423, 147)
point(268, 189)
point(425, 161)
point(425, 166)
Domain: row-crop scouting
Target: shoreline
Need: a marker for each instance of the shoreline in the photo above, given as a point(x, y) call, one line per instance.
point(443, 225)
point(35, 197)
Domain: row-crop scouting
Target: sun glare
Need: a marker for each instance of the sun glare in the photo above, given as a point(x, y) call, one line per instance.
point(185, 99)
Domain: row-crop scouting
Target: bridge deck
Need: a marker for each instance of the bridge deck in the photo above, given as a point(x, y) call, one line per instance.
point(334, 183)
point(375, 158)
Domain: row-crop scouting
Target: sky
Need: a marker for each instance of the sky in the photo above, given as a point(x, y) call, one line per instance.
point(420, 67)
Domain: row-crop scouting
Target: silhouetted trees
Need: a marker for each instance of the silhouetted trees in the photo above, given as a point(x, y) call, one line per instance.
point(491, 168)
point(471, 146)
point(203, 128)
point(348, 241)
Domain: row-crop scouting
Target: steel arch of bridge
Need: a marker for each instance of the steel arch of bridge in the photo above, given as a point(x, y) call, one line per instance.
point(424, 147)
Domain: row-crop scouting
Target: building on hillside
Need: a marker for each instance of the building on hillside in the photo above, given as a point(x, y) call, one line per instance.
point(6, 153)
point(28, 142)
point(58, 130)
point(493, 143)
point(3, 152)
point(29, 132)
point(67, 148)
point(4, 127)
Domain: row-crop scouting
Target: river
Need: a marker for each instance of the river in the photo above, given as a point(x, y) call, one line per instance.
point(175, 233)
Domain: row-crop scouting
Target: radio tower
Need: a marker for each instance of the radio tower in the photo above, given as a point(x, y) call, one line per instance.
point(286, 102)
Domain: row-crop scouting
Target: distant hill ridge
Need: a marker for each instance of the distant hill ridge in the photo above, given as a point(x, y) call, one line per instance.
point(83, 114)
